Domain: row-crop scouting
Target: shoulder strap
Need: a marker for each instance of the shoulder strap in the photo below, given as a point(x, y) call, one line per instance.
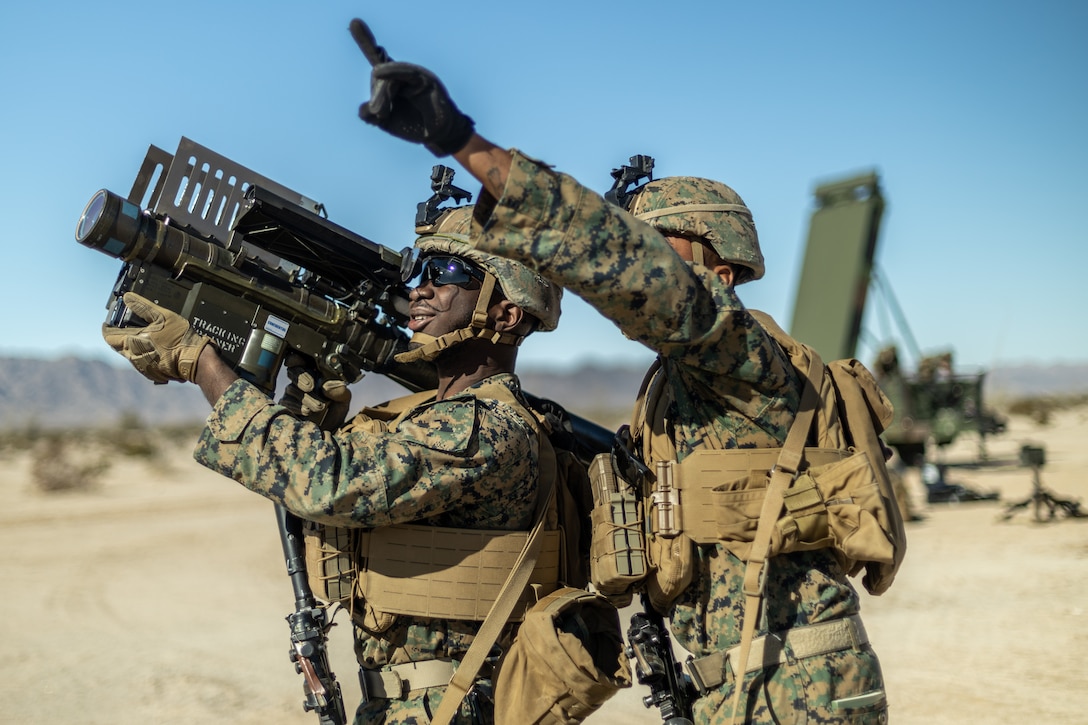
point(648, 426)
point(782, 475)
point(638, 415)
point(511, 591)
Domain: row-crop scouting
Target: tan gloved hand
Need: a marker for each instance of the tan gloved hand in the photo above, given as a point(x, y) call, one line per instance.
point(166, 349)
point(307, 396)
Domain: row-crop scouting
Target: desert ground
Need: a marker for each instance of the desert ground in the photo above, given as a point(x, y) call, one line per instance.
point(159, 596)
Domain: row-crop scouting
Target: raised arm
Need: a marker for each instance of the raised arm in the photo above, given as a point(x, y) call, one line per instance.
point(490, 164)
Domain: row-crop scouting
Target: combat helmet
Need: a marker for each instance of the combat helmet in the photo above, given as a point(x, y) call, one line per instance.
point(450, 234)
point(708, 210)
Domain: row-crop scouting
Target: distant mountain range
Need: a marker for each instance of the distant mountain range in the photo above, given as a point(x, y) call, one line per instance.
point(76, 392)
point(1025, 381)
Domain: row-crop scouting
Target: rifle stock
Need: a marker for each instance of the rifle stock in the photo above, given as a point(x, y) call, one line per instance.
point(655, 666)
point(309, 624)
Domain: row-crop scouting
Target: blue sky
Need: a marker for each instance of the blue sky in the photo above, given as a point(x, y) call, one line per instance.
point(973, 114)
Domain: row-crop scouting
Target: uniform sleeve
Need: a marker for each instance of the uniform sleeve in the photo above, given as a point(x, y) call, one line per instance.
point(628, 271)
point(463, 456)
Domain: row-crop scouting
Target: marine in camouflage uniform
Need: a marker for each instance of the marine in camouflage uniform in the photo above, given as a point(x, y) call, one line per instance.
point(731, 384)
point(458, 459)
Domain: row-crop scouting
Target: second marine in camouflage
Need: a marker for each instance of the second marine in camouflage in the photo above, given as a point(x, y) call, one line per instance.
point(729, 385)
point(465, 456)
point(668, 280)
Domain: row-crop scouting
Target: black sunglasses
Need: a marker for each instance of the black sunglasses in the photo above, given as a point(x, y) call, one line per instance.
point(449, 270)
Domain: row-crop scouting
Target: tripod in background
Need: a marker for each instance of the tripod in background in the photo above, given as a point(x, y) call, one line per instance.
point(1040, 498)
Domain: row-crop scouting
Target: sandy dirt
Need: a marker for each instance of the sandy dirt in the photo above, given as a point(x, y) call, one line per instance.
point(161, 597)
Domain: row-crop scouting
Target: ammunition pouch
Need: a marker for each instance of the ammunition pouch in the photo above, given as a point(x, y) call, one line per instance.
point(618, 547)
point(834, 503)
point(715, 497)
point(673, 565)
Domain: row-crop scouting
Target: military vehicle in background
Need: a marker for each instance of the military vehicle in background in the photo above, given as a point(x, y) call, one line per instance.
point(934, 403)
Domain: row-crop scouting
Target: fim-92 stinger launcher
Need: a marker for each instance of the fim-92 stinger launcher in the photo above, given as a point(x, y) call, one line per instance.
point(256, 267)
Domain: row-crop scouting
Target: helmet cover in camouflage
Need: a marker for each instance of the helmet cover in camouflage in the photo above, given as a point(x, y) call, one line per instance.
point(687, 206)
point(519, 284)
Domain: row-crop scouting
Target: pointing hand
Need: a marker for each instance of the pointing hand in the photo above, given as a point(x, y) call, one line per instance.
point(408, 101)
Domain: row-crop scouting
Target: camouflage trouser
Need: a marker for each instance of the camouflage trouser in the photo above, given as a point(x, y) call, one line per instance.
point(842, 687)
point(478, 708)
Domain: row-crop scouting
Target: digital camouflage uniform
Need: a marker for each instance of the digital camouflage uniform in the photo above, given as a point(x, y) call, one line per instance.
point(464, 462)
point(729, 380)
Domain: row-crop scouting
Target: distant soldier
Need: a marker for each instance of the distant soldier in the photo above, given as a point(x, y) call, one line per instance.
point(465, 456)
point(665, 274)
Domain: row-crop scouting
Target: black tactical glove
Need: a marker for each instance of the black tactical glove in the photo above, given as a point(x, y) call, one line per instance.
point(307, 396)
point(409, 102)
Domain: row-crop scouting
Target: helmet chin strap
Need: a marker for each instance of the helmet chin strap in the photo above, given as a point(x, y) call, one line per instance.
point(431, 347)
point(697, 254)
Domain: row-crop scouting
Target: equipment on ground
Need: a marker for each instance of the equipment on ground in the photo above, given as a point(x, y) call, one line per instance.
point(940, 490)
point(1041, 499)
point(934, 403)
